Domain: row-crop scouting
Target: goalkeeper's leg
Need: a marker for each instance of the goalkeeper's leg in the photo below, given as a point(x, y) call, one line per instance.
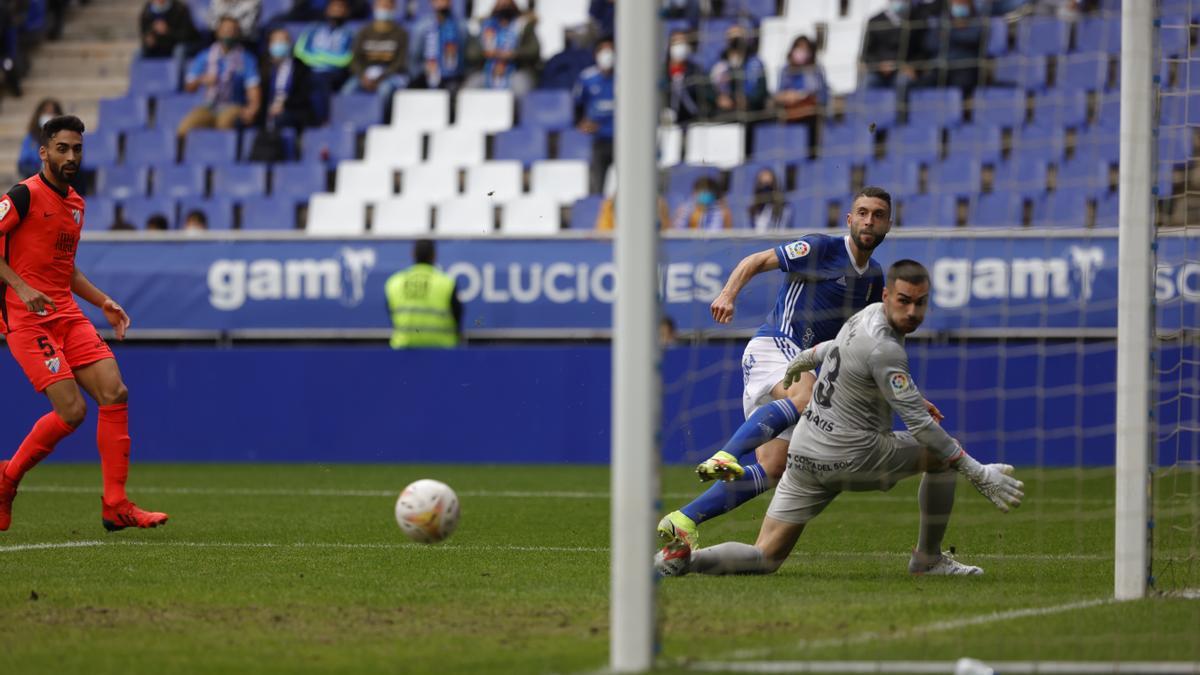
point(775, 542)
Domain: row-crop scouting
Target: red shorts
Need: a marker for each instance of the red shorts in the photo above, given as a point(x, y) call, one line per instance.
point(47, 351)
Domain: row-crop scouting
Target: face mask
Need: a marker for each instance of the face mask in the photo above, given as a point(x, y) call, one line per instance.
point(227, 41)
point(337, 21)
point(737, 45)
point(705, 198)
point(443, 12)
point(960, 11)
point(801, 56)
point(42, 119)
point(604, 59)
point(382, 14)
point(509, 13)
point(680, 51)
point(765, 189)
point(280, 50)
point(899, 6)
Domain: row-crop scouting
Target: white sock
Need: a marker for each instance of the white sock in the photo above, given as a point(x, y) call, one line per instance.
point(730, 558)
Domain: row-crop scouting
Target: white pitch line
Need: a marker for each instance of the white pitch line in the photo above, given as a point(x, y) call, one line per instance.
point(1060, 667)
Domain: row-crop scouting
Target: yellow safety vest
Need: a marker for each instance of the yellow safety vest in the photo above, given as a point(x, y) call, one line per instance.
point(419, 299)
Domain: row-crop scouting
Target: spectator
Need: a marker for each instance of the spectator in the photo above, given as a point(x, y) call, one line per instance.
point(244, 12)
point(155, 223)
point(195, 222)
point(119, 224)
point(325, 47)
point(507, 48)
point(564, 68)
point(595, 103)
point(290, 96)
point(229, 77)
point(687, 10)
point(705, 210)
point(1067, 10)
point(314, 10)
point(888, 49)
point(667, 337)
point(380, 55)
point(739, 78)
point(604, 16)
point(605, 218)
point(423, 303)
point(685, 85)
point(801, 93)
point(29, 162)
point(956, 37)
point(769, 211)
point(439, 47)
point(167, 29)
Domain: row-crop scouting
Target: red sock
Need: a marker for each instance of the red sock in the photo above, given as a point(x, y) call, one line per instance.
point(45, 434)
point(112, 438)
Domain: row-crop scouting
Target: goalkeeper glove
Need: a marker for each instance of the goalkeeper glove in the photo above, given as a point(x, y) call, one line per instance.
point(993, 481)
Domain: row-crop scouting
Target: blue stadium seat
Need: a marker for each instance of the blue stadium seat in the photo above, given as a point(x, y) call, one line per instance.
point(425, 8)
point(756, 9)
point(574, 144)
point(101, 149)
point(1048, 142)
point(149, 146)
point(550, 109)
point(928, 211)
point(524, 144)
point(329, 144)
point(1098, 34)
point(269, 213)
point(922, 144)
point(1023, 173)
point(99, 213)
point(739, 211)
point(1108, 112)
point(290, 144)
point(1026, 72)
point(744, 177)
point(872, 106)
point(997, 37)
point(1061, 208)
point(1103, 145)
point(956, 175)
point(849, 141)
point(1042, 36)
point(1172, 109)
point(238, 181)
point(1107, 210)
point(357, 110)
point(680, 179)
point(1175, 145)
point(153, 76)
point(121, 114)
point(170, 110)
point(121, 182)
point(809, 212)
point(584, 213)
point(298, 181)
point(1083, 174)
point(210, 146)
point(935, 107)
point(898, 175)
point(1087, 72)
point(179, 180)
point(712, 41)
point(997, 209)
point(1173, 35)
point(1193, 110)
point(828, 178)
point(999, 106)
point(1060, 108)
point(218, 211)
point(786, 142)
point(979, 141)
point(137, 210)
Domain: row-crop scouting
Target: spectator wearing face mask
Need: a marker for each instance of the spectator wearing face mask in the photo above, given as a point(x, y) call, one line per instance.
point(595, 107)
point(769, 211)
point(888, 48)
point(955, 36)
point(685, 86)
point(380, 55)
point(439, 49)
point(705, 210)
point(739, 78)
point(802, 92)
point(507, 51)
point(166, 28)
point(228, 76)
point(325, 47)
point(289, 87)
point(29, 162)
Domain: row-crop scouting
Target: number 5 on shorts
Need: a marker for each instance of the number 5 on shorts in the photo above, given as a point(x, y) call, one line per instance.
point(44, 344)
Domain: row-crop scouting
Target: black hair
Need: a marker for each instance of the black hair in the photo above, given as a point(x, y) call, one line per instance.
point(604, 39)
point(423, 251)
point(156, 222)
point(876, 192)
point(706, 183)
point(198, 215)
point(909, 271)
point(61, 123)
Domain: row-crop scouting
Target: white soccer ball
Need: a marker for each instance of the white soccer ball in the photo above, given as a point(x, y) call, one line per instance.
point(427, 511)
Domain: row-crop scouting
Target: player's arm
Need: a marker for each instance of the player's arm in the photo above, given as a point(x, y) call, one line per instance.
point(807, 360)
point(747, 269)
point(84, 288)
point(13, 207)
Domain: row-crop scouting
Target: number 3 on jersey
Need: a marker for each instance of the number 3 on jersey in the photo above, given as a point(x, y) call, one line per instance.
point(823, 394)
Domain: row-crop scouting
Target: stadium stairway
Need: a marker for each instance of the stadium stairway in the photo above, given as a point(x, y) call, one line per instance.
point(90, 62)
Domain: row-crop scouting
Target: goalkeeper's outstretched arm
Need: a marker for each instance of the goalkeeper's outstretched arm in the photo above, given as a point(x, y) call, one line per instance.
point(751, 265)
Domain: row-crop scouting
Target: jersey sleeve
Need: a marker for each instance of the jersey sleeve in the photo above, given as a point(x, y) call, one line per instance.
point(889, 368)
point(13, 207)
point(801, 255)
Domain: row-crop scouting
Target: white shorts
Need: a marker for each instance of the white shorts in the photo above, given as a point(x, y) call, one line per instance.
point(764, 363)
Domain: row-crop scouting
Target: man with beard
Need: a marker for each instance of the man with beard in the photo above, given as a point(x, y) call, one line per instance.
point(829, 280)
point(55, 344)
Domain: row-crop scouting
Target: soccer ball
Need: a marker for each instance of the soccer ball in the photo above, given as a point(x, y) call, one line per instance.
point(427, 511)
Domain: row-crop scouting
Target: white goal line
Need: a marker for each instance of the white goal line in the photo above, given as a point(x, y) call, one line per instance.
point(1059, 667)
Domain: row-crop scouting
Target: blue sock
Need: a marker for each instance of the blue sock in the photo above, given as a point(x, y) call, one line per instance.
point(763, 424)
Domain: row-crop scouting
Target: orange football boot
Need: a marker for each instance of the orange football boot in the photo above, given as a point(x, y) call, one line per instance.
point(127, 514)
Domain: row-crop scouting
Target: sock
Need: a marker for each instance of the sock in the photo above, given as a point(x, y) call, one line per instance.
point(936, 497)
point(761, 426)
point(45, 434)
point(112, 439)
point(730, 558)
point(724, 497)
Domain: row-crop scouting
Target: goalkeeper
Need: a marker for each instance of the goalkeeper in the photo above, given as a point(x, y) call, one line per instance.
point(844, 441)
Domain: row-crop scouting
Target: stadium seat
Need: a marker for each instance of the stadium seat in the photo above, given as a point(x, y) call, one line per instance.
point(176, 181)
point(137, 210)
point(480, 9)
point(1172, 109)
point(103, 149)
point(871, 106)
point(681, 178)
point(744, 177)
point(550, 35)
point(898, 175)
point(711, 41)
point(1175, 145)
point(826, 178)
point(755, 9)
point(465, 215)
point(329, 145)
point(1047, 142)
point(523, 144)
point(210, 146)
point(149, 146)
point(1193, 110)
point(401, 215)
point(809, 212)
point(786, 142)
point(1042, 36)
point(298, 181)
point(564, 12)
point(239, 180)
point(269, 213)
point(923, 144)
point(99, 213)
point(1107, 207)
point(1098, 34)
point(574, 144)
point(935, 107)
point(424, 8)
point(670, 145)
point(997, 37)
point(393, 147)
point(928, 211)
point(357, 110)
point(975, 140)
point(365, 181)
point(250, 135)
point(1173, 35)
point(1061, 208)
point(840, 61)
point(457, 147)
point(585, 212)
point(1085, 72)
point(1083, 174)
point(720, 145)
point(218, 211)
point(1023, 173)
point(121, 182)
point(170, 110)
point(531, 215)
point(997, 209)
point(561, 181)
point(1060, 108)
point(421, 109)
point(499, 181)
point(150, 77)
point(1103, 145)
point(332, 214)
point(123, 114)
point(999, 106)
point(429, 183)
point(1025, 72)
point(486, 110)
point(853, 142)
point(552, 110)
point(956, 175)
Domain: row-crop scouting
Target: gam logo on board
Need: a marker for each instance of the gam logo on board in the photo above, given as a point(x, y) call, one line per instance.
point(233, 283)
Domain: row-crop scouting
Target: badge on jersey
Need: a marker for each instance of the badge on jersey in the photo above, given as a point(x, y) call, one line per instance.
point(5, 205)
point(900, 383)
point(53, 365)
point(796, 249)
point(77, 215)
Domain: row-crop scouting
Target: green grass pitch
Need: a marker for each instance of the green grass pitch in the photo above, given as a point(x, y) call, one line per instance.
point(301, 568)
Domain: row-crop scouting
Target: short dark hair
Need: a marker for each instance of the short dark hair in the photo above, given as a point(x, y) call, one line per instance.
point(61, 123)
point(909, 271)
point(876, 192)
point(198, 215)
point(423, 251)
point(157, 222)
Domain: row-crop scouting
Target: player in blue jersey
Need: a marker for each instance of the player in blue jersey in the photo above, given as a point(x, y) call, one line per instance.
point(829, 280)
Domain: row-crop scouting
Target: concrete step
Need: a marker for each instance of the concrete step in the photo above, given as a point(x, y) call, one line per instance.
point(76, 89)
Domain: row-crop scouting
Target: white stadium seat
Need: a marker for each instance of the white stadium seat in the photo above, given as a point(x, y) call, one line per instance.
point(811, 10)
point(335, 214)
point(363, 180)
point(429, 183)
point(840, 60)
point(483, 8)
point(531, 215)
point(562, 180)
point(670, 146)
point(488, 110)
point(457, 147)
point(466, 215)
point(552, 38)
point(499, 180)
point(393, 147)
point(401, 215)
point(721, 145)
point(421, 109)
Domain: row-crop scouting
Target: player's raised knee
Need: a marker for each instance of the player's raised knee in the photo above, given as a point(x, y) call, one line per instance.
point(773, 461)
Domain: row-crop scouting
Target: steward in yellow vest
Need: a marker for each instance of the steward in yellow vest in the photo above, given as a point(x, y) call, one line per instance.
point(422, 301)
